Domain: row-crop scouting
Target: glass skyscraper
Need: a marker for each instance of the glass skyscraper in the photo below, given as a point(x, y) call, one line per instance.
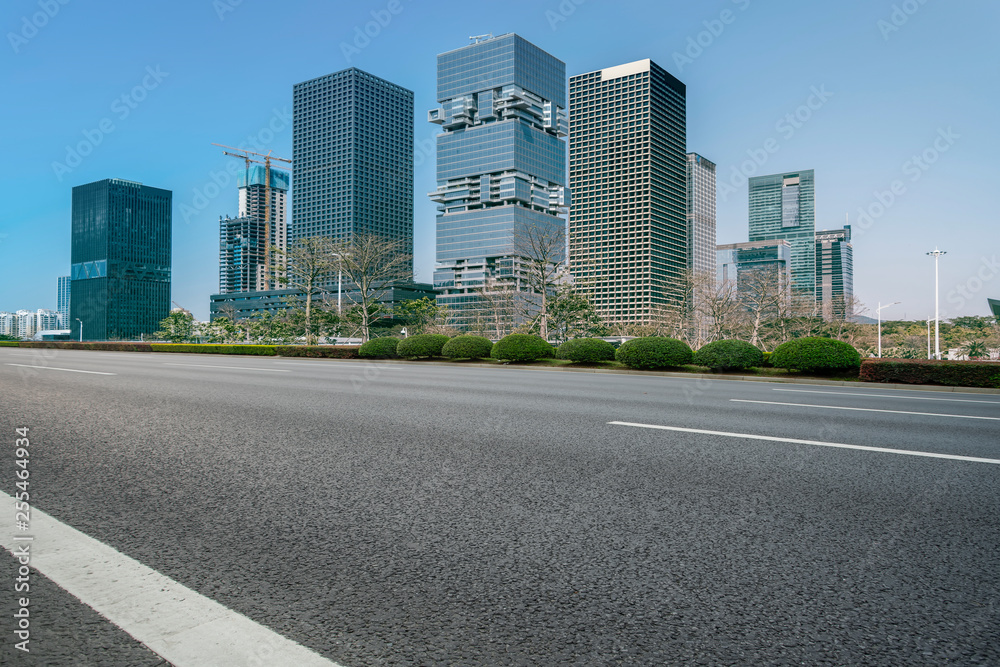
point(783, 206)
point(835, 273)
point(629, 236)
point(501, 169)
point(120, 274)
point(352, 147)
point(62, 301)
point(701, 214)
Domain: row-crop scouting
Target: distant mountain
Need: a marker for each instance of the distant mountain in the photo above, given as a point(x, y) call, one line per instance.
point(864, 319)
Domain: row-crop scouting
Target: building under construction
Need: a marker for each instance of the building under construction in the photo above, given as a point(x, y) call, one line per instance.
point(242, 250)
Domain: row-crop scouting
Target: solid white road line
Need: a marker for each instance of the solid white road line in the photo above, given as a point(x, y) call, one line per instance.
point(794, 441)
point(238, 368)
point(68, 370)
point(184, 627)
point(905, 398)
point(839, 407)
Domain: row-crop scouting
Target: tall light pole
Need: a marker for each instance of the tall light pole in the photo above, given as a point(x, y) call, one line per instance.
point(879, 312)
point(81, 327)
point(936, 254)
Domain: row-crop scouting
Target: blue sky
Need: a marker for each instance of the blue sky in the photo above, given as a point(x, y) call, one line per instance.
point(893, 103)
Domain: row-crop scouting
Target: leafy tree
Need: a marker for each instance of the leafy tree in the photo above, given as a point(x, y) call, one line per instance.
point(221, 330)
point(177, 327)
point(420, 314)
point(571, 315)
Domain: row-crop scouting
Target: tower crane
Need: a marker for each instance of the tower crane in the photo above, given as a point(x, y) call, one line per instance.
point(245, 155)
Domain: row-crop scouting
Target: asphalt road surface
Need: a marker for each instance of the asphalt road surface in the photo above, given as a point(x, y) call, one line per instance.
point(421, 514)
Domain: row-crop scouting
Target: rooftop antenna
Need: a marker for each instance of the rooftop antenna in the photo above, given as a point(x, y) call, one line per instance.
point(475, 39)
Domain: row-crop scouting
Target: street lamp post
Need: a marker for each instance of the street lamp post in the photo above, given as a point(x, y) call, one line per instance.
point(81, 327)
point(936, 254)
point(879, 312)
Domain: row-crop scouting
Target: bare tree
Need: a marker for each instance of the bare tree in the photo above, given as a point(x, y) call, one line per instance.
point(306, 266)
point(374, 264)
point(719, 305)
point(762, 292)
point(542, 248)
point(500, 310)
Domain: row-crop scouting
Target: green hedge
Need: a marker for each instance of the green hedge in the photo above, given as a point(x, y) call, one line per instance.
point(931, 371)
point(10, 343)
point(318, 351)
point(654, 352)
point(522, 347)
point(106, 347)
point(467, 347)
point(728, 355)
point(379, 348)
point(256, 350)
point(421, 345)
point(816, 355)
point(586, 350)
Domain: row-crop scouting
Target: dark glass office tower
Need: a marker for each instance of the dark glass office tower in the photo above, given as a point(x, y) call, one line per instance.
point(783, 206)
point(628, 226)
point(120, 276)
point(501, 170)
point(835, 273)
point(352, 147)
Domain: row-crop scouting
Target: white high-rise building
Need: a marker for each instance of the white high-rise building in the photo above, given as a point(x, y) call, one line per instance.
point(8, 324)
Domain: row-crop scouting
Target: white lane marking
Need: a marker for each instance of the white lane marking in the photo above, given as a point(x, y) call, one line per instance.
point(239, 368)
point(794, 441)
point(184, 627)
point(53, 368)
point(905, 398)
point(839, 407)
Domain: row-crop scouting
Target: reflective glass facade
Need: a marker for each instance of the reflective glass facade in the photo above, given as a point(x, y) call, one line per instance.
point(501, 167)
point(352, 147)
point(120, 274)
point(63, 301)
point(629, 236)
point(835, 273)
point(783, 206)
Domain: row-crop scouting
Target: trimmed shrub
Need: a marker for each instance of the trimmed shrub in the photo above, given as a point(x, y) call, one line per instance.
point(467, 347)
point(931, 371)
point(816, 355)
point(318, 351)
point(586, 350)
point(421, 345)
point(207, 348)
point(9, 343)
point(727, 355)
point(522, 347)
point(379, 348)
point(766, 361)
point(654, 352)
point(107, 346)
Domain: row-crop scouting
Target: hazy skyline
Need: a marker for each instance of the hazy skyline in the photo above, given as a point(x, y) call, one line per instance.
point(892, 103)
